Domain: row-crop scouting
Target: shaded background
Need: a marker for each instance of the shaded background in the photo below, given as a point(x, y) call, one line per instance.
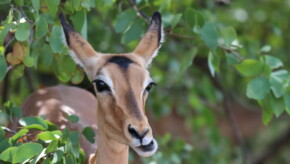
point(201, 111)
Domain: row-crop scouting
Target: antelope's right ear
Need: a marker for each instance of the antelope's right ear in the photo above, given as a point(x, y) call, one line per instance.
point(80, 50)
point(151, 42)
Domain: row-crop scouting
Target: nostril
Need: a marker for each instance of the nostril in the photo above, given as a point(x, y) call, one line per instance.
point(133, 132)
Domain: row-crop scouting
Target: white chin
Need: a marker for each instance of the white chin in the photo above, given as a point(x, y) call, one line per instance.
point(146, 150)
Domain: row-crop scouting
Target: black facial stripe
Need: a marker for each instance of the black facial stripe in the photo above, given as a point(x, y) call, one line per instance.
point(122, 61)
point(132, 104)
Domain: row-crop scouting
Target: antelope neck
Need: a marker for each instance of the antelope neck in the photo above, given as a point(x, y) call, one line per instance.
point(110, 151)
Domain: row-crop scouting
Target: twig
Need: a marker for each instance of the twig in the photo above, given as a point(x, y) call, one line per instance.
point(231, 117)
point(8, 130)
point(24, 15)
point(233, 52)
point(202, 64)
point(179, 35)
point(30, 22)
point(7, 45)
point(139, 12)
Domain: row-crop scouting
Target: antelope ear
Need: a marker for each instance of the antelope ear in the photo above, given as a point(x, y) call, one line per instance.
point(79, 49)
point(149, 45)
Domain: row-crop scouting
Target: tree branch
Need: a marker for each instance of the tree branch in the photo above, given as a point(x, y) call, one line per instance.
point(202, 63)
point(139, 12)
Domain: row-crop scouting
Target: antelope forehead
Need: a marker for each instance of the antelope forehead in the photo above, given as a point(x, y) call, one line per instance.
point(121, 61)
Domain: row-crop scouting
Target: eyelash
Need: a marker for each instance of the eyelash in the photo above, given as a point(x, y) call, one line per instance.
point(149, 86)
point(101, 85)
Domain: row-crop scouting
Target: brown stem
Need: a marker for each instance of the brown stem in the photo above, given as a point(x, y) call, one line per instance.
point(139, 12)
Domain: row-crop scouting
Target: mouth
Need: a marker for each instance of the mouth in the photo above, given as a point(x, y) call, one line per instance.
point(146, 150)
point(148, 147)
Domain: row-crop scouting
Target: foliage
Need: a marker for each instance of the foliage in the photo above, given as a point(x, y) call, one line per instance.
point(250, 62)
point(39, 140)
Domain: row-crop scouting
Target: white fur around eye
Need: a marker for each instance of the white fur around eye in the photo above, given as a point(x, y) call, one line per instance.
point(147, 81)
point(107, 80)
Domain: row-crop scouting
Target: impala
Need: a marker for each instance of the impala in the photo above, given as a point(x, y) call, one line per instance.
point(121, 83)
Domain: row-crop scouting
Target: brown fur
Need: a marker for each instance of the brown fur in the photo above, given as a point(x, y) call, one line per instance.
point(115, 111)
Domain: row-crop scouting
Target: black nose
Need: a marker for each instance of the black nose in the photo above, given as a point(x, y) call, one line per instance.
point(134, 133)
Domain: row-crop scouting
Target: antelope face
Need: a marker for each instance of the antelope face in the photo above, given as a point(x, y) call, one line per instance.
point(122, 84)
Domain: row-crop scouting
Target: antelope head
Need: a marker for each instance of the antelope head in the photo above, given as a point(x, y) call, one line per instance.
point(122, 84)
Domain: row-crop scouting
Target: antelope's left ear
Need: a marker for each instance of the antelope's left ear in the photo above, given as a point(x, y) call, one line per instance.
point(149, 45)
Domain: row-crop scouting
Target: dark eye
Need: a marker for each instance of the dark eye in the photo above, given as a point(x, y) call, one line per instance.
point(101, 85)
point(149, 86)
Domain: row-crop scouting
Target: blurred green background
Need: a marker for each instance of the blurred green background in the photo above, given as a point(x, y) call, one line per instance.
point(223, 84)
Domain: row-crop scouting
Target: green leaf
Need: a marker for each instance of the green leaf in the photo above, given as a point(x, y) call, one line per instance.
point(287, 101)
point(5, 144)
point(250, 67)
point(41, 27)
point(64, 68)
point(124, 20)
point(89, 133)
point(52, 6)
point(77, 4)
point(79, 20)
point(19, 2)
point(134, 32)
point(175, 20)
point(267, 113)
point(70, 159)
point(194, 18)
point(273, 62)
point(18, 71)
point(209, 35)
point(28, 61)
point(23, 31)
point(9, 18)
point(78, 76)
point(55, 40)
point(73, 118)
point(37, 158)
point(27, 151)
point(52, 146)
point(277, 105)
point(8, 154)
point(36, 5)
point(258, 88)
point(46, 161)
point(188, 59)
point(231, 58)
point(279, 81)
point(4, 32)
point(229, 34)
point(57, 156)
point(33, 122)
point(213, 63)
point(3, 67)
point(74, 137)
point(46, 136)
point(266, 49)
point(45, 56)
point(109, 2)
point(19, 134)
